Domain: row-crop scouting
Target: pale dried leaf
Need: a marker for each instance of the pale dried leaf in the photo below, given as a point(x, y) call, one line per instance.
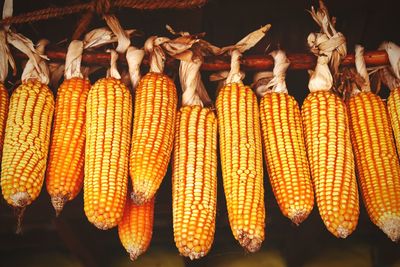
point(134, 57)
point(23, 44)
point(42, 73)
point(73, 60)
point(102, 36)
point(252, 39)
point(362, 68)
point(113, 70)
point(123, 39)
point(5, 57)
point(7, 12)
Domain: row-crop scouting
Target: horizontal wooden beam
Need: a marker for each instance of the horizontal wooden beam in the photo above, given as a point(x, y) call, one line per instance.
point(251, 62)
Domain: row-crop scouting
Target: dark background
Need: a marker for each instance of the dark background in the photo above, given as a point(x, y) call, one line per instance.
point(225, 22)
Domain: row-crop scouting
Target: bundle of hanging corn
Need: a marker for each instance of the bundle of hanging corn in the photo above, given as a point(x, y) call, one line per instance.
point(27, 135)
point(194, 172)
point(64, 178)
point(241, 151)
point(375, 152)
point(283, 139)
point(327, 134)
point(136, 227)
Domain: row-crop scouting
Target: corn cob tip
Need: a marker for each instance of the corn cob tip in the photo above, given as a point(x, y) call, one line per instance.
point(102, 225)
point(58, 203)
point(134, 253)
point(20, 199)
point(342, 232)
point(298, 216)
point(193, 255)
point(249, 242)
point(391, 227)
point(138, 198)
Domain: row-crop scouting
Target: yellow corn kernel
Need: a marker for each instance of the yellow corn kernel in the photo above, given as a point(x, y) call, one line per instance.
point(286, 156)
point(241, 160)
point(136, 227)
point(108, 128)
point(153, 133)
point(329, 152)
point(194, 181)
point(4, 101)
point(393, 104)
point(377, 162)
point(26, 143)
point(64, 177)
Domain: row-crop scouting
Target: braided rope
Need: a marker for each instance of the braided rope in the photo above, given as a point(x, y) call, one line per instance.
point(101, 7)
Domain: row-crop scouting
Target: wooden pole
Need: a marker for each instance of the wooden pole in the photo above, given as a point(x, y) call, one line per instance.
point(251, 62)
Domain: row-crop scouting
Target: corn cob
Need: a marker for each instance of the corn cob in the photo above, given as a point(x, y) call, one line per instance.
point(136, 227)
point(152, 137)
point(284, 147)
point(108, 127)
point(377, 163)
point(330, 155)
point(65, 170)
point(241, 160)
point(285, 155)
point(393, 104)
point(4, 101)
point(375, 152)
point(194, 180)
point(26, 142)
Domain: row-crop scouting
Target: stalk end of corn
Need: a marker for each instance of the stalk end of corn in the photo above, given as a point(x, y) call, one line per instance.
point(297, 216)
point(58, 203)
point(20, 215)
point(391, 227)
point(249, 242)
point(134, 253)
point(20, 199)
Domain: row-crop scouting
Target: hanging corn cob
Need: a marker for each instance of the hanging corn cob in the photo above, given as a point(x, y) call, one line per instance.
point(327, 134)
point(64, 177)
point(377, 162)
point(108, 127)
point(284, 146)
point(4, 99)
point(194, 169)
point(153, 126)
point(391, 77)
point(241, 154)
point(27, 135)
point(136, 227)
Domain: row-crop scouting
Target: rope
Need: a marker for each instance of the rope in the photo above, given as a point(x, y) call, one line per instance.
point(101, 7)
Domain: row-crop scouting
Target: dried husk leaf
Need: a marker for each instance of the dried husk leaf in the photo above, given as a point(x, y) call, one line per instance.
point(42, 72)
point(134, 57)
point(362, 68)
point(194, 92)
point(277, 83)
point(5, 57)
point(113, 70)
point(123, 39)
point(102, 36)
point(73, 60)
